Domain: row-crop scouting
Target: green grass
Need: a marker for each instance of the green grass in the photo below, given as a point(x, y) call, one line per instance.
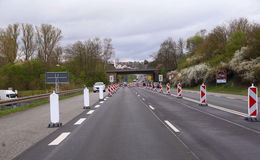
point(228, 88)
point(31, 92)
point(34, 104)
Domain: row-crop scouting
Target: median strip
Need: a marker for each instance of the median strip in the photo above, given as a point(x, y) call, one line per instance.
point(172, 126)
point(80, 121)
point(59, 139)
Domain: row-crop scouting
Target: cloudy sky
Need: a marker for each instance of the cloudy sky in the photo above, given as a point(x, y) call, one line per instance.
point(137, 27)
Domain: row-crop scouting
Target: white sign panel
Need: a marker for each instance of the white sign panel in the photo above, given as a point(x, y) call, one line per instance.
point(111, 78)
point(160, 78)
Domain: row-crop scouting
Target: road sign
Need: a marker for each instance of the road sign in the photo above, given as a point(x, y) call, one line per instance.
point(111, 78)
point(160, 78)
point(221, 77)
point(56, 77)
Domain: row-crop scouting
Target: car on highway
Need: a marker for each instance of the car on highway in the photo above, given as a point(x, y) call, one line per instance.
point(7, 95)
point(97, 85)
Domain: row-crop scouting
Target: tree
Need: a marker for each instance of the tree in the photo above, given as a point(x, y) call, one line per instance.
point(180, 46)
point(193, 43)
point(9, 43)
point(48, 37)
point(28, 41)
point(166, 57)
point(108, 49)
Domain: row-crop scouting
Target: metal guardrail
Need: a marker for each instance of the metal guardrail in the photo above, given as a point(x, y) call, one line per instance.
point(36, 97)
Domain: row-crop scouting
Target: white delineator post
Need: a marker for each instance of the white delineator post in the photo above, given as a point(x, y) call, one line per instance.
point(252, 103)
point(54, 111)
point(179, 91)
point(101, 93)
point(203, 94)
point(86, 98)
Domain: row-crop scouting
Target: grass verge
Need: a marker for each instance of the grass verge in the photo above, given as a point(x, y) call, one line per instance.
point(34, 104)
point(228, 88)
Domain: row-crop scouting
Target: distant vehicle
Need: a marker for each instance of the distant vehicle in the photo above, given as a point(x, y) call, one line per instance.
point(7, 95)
point(97, 85)
point(125, 84)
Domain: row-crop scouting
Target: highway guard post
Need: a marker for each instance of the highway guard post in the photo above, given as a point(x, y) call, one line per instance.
point(179, 91)
point(101, 93)
point(86, 98)
point(252, 103)
point(54, 110)
point(203, 95)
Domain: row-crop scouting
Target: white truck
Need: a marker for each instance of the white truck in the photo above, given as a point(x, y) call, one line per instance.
point(8, 95)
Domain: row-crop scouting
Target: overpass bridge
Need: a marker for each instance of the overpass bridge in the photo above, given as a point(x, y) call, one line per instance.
point(153, 72)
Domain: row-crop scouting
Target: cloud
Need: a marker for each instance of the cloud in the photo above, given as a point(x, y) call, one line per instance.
point(136, 27)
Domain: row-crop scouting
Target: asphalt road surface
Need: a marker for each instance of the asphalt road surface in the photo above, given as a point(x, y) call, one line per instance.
point(139, 124)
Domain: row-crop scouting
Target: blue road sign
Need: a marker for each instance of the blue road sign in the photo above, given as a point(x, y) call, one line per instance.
point(56, 77)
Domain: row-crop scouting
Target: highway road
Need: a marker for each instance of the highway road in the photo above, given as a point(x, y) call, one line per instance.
point(139, 124)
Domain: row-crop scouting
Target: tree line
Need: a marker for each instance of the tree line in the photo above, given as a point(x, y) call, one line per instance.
point(27, 52)
point(233, 47)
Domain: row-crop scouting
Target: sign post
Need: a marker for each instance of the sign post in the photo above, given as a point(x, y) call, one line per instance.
point(56, 78)
point(160, 77)
point(111, 78)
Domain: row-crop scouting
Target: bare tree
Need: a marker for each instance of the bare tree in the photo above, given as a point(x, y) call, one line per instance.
point(108, 50)
point(57, 55)
point(48, 37)
point(9, 43)
point(28, 41)
point(180, 46)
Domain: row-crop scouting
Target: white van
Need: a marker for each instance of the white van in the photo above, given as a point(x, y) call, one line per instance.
point(7, 95)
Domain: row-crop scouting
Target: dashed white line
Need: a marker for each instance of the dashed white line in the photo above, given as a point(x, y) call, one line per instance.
point(59, 139)
point(80, 121)
point(171, 126)
point(90, 112)
point(101, 102)
point(143, 99)
point(151, 107)
point(97, 106)
point(138, 95)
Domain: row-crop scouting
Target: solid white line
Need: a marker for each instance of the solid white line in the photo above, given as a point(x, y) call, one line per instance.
point(59, 139)
point(97, 106)
point(151, 107)
point(231, 98)
point(219, 108)
point(90, 112)
point(80, 121)
point(171, 126)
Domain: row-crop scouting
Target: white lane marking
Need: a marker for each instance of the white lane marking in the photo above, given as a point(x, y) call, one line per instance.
point(219, 108)
point(143, 99)
point(138, 95)
point(80, 121)
point(101, 102)
point(151, 107)
point(97, 106)
point(90, 112)
point(59, 139)
point(171, 126)
point(231, 98)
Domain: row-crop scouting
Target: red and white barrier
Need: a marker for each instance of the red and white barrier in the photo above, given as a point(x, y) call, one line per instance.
point(151, 86)
point(109, 91)
point(203, 94)
point(161, 91)
point(179, 91)
point(154, 87)
point(168, 89)
point(252, 103)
